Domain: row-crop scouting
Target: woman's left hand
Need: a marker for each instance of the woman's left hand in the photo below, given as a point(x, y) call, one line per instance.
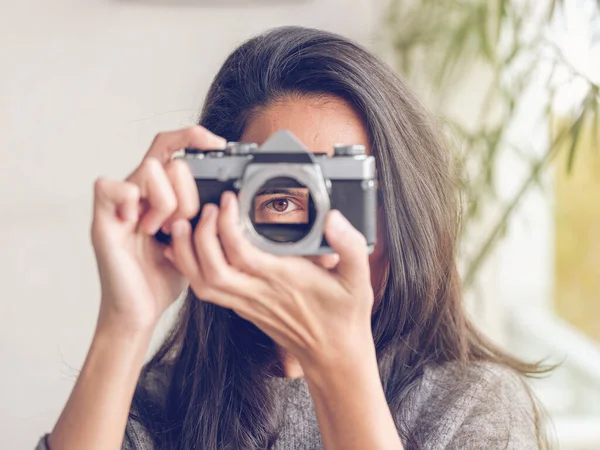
point(322, 316)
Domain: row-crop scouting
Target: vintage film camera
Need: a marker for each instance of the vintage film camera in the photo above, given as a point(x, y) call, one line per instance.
point(285, 191)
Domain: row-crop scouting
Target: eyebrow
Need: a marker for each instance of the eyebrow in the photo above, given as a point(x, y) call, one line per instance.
point(300, 192)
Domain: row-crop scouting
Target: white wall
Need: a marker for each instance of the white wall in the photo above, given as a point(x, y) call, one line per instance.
point(84, 86)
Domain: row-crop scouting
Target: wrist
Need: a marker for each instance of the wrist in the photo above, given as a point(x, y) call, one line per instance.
point(96, 414)
point(118, 346)
point(352, 359)
point(121, 331)
point(350, 402)
point(126, 325)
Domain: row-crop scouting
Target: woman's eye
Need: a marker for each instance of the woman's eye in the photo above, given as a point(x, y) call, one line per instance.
point(281, 205)
point(281, 208)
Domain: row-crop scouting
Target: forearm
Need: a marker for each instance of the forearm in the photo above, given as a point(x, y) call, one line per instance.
point(350, 405)
point(96, 413)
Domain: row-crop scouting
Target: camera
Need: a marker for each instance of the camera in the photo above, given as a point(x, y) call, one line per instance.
point(285, 191)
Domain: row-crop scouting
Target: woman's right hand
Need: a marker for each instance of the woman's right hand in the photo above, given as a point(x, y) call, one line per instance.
point(137, 282)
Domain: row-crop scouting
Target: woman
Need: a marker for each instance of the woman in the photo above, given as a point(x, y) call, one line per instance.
point(347, 351)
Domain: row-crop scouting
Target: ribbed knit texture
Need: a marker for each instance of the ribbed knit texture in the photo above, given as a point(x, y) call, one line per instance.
point(486, 407)
point(299, 427)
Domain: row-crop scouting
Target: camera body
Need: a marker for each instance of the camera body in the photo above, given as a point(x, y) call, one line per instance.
point(345, 181)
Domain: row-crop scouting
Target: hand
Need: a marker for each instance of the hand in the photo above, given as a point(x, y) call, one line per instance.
point(137, 282)
point(322, 316)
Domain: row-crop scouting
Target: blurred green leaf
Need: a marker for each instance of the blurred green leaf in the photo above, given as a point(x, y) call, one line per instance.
point(573, 146)
point(552, 8)
point(500, 17)
point(442, 42)
point(483, 30)
point(486, 248)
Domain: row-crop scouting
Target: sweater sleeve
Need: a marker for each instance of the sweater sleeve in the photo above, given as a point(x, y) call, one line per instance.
point(489, 408)
point(43, 443)
point(136, 438)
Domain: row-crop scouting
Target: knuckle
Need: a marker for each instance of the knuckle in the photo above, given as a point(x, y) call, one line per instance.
point(171, 167)
point(178, 169)
point(192, 207)
point(168, 204)
point(100, 186)
point(196, 133)
point(216, 279)
point(219, 280)
point(185, 189)
point(187, 210)
point(158, 138)
point(202, 291)
point(245, 261)
point(151, 165)
point(131, 192)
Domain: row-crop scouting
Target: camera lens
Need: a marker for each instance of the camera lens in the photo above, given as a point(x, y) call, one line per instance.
point(283, 205)
point(283, 210)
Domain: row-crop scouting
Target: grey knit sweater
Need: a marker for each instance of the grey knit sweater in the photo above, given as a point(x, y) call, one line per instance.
point(487, 407)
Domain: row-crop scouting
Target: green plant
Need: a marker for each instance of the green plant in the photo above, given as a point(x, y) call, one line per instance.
point(437, 44)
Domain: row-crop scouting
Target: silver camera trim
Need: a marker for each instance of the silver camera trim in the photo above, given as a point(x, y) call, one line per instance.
point(309, 175)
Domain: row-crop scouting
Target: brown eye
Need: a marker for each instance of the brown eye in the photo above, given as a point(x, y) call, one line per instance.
point(280, 205)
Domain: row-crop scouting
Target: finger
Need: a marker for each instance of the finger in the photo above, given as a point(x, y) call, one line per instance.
point(328, 261)
point(156, 188)
point(184, 258)
point(206, 241)
point(219, 275)
point(167, 143)
point(214, 265)
point(114, 202)
point(120, 197)
point(182, 253)
point(239, 251)
point(351, 246)
point(186, 192)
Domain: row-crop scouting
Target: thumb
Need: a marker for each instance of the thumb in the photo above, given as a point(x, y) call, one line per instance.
point(351, 246)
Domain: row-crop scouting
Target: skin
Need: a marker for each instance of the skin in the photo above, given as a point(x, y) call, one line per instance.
point(305, 316)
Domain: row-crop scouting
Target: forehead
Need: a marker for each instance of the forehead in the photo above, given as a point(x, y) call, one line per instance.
point(319, 123)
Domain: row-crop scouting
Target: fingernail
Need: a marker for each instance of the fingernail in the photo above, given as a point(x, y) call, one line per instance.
point(208, 210)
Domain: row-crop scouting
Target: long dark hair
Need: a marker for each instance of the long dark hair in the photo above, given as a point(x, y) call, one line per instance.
point(206, 386)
